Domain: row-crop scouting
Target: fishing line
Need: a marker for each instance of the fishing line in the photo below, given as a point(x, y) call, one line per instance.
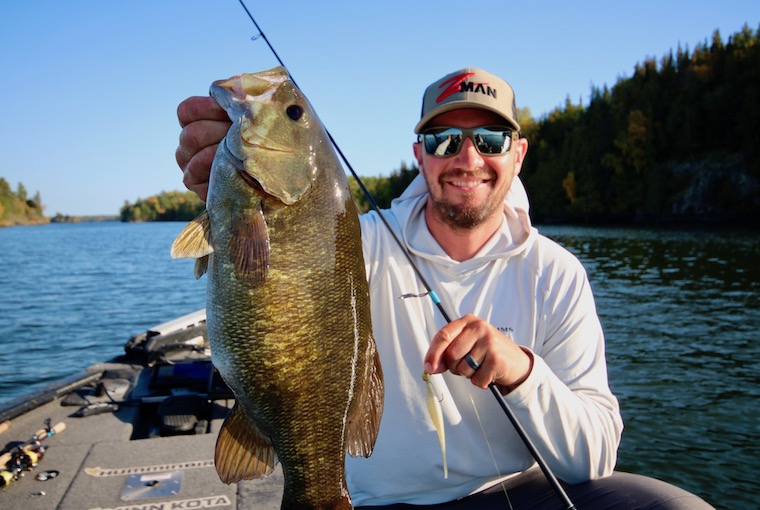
point(490, 450)
point(364, 189)
point(433, 296)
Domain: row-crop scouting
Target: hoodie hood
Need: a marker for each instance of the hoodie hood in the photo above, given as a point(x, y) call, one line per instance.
point(513, 237)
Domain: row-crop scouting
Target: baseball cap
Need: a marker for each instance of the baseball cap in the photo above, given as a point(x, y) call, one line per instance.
point(468, 88)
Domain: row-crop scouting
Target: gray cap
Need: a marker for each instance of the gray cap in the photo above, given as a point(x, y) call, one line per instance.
point(469, 88)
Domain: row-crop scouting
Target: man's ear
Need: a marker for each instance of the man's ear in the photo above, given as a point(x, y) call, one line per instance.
point(520, 146)
point(417, 147)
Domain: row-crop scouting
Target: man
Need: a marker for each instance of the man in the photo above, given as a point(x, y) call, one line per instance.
point(525, 320)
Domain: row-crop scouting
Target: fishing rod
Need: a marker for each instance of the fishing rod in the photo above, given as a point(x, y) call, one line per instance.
point(430, 292)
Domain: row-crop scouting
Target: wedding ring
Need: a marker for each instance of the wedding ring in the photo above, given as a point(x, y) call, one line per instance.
point(471, 361)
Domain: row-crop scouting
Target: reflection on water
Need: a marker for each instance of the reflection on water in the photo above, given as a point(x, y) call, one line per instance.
point(681, 311)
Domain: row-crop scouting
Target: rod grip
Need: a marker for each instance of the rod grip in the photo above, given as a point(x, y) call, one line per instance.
point(43, 433)
point(57, 428)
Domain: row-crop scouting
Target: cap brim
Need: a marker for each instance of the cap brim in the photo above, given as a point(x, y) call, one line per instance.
point(459, 105)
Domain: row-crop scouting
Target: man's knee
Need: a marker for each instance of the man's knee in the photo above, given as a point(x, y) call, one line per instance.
point(626, 490)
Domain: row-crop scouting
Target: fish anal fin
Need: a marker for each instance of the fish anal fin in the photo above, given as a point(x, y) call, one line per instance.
point(194, 240)
point(242, 451)
point(249, 246)
point(367, 409)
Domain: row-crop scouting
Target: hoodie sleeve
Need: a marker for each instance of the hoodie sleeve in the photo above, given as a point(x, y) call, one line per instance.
point(574, 417)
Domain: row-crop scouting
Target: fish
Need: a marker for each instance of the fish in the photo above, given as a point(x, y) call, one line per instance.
point(287, 299)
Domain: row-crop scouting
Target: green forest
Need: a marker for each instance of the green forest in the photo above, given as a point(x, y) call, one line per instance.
point(17, 208)
point(679, 140)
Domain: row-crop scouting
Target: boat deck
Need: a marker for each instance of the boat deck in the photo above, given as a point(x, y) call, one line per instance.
point(123, 459)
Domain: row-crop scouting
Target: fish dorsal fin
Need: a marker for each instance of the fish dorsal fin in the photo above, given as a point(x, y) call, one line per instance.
point(249, 246)
point(364, 421)
point(193, 242)
point(242, 451)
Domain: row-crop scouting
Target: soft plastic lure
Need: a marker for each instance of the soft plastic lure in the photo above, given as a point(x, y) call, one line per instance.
point(436, 414)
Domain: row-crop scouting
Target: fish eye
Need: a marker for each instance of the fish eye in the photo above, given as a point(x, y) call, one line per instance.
point(294, 111)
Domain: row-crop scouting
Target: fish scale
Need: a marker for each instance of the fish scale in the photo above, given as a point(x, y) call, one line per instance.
point(287, 298)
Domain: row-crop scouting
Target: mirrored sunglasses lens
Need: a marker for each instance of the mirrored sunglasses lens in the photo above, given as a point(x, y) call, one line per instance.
point(489, 141)
point(444, 143)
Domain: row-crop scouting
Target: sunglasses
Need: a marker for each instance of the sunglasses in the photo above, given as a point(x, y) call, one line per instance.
point(444, 142)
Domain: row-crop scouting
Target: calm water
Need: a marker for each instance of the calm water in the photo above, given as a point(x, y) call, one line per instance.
point(681, 311)
point(72, 294)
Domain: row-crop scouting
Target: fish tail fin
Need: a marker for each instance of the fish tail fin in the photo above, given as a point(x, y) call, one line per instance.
point(242, 452)
point(364, 422)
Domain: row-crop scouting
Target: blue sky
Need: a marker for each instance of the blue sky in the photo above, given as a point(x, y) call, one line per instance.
point(89, 89)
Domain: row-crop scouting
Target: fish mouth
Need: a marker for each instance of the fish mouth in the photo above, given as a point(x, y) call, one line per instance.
point(254, 139)
point(250, 181)
point(265, 147)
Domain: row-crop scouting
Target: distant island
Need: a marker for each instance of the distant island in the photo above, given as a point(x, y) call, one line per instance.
point(166, 206)
point(65, 218)
point(17, 208)
point(185, 205)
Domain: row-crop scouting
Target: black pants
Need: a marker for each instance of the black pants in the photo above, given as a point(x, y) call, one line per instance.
point(531, 491)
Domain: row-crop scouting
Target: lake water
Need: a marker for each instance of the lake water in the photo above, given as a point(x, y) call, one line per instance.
point(680, 309)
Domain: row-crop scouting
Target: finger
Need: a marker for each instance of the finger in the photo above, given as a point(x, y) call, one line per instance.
point(433, 361)
point(470, 363)
point(198, 170)
point(199, 108)
point(469, 341)
point(438, 358)
point(198, 136)
point(464, 344)
point(484, 375)
point(201, 190)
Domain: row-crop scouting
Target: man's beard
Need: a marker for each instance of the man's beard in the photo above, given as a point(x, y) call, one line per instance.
point(464, 216)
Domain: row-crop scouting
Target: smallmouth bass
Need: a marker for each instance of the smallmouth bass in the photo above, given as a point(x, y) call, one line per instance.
point(287, 299)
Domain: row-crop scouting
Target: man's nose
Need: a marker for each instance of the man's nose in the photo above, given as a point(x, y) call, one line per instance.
point(468, 154)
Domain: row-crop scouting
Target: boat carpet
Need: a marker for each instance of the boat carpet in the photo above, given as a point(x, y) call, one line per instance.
point(100, 467)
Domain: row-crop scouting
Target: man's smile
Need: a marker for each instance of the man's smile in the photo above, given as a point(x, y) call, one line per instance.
point(466, 182)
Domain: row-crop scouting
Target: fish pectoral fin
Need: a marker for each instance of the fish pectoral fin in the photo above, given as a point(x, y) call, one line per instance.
point(242, 451)
point(193, 242)
point(249, 246)
point(364, 420)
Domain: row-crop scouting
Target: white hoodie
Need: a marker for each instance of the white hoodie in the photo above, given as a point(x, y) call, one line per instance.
point(527, 286)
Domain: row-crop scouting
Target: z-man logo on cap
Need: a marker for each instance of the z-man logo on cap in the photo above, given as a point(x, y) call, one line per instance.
point(458, 84)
